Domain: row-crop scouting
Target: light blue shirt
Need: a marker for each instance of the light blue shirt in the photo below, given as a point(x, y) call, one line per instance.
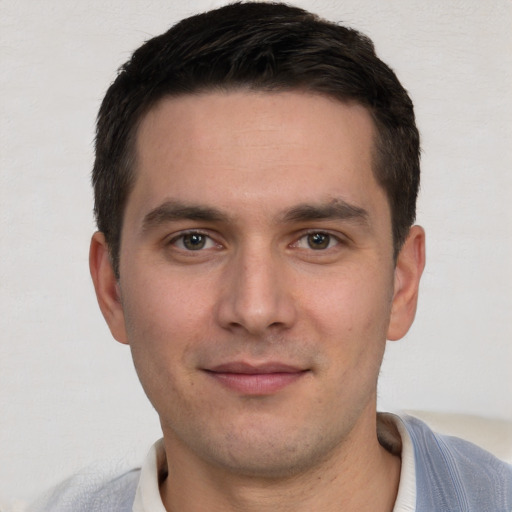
point(451, 475)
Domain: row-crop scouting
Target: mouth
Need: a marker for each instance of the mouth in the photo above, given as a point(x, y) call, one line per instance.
point(256, 379)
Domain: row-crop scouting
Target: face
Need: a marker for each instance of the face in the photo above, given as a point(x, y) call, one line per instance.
point(257, 283)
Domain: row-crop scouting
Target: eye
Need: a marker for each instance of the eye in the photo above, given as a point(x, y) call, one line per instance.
point(193, 241)
point(317, 241)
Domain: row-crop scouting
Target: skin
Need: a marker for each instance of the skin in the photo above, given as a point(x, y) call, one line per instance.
point(256, 236)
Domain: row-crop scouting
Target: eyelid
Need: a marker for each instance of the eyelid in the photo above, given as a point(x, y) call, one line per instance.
point(338, 237)
point(174, 237)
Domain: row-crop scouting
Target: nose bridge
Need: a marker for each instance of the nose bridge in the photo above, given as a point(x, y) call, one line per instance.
point(256, 296)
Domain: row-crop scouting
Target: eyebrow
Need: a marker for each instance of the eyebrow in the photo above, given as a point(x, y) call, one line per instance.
point(336, 209)
point(175, 210)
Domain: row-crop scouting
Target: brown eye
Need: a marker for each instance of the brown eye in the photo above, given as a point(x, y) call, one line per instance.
point(318, 241)
point(194, 241)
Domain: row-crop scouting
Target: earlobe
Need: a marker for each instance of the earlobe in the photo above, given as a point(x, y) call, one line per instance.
point(408, 270)
point(106, 286)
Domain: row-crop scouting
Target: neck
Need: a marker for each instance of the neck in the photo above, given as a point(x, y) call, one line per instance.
point(360, 475)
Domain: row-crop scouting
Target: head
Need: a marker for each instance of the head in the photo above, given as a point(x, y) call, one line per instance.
point(255, 182)
point(257, 47)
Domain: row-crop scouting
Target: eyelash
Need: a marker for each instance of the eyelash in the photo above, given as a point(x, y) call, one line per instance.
point(304, 236)
point(331, 238)
point(182, 236)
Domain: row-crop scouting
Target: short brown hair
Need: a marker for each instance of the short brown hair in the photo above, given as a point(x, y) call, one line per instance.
point(257, 46)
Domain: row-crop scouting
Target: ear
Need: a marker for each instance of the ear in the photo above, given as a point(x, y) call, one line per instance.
point(408, 270)
point(106, 286)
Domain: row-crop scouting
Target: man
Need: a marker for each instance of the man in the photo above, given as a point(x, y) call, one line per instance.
point(255, 182)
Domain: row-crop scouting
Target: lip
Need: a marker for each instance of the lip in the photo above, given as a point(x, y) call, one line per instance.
point(255, 379)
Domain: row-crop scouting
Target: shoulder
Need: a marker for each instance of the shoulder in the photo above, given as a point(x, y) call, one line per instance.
point(456, 475)
point(92, 490)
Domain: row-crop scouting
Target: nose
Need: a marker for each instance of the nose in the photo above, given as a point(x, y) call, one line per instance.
point(257, 295)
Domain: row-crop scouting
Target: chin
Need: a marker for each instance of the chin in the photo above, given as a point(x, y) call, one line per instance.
point(268, 452)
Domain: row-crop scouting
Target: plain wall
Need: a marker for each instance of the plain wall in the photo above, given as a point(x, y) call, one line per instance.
point(68, 392)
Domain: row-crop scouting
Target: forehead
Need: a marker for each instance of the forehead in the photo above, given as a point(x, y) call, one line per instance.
point(236, 149)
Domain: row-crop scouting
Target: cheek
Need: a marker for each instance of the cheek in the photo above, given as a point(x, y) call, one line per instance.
point(162, 323)
point(162, 350)
point(164, 303)
point(351, 317)
point(353, 300)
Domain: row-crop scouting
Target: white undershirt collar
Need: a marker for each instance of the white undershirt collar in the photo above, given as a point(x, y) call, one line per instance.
point(147, 497)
